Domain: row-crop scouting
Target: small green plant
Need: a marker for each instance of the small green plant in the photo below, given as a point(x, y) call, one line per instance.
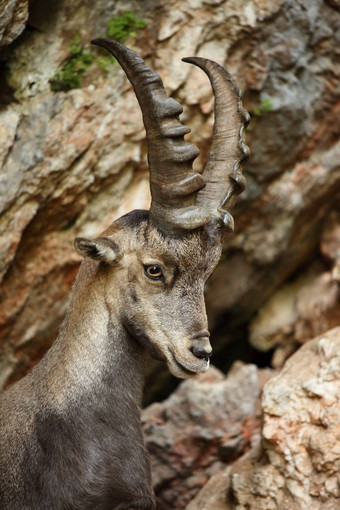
point(105, 62)
point(70, 75)
point(266, 105)
point(121, 27)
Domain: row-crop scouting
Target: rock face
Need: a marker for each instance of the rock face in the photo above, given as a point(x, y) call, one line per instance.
point(306, 306)
point(297, 466)
point(207, 422)
point(14, 14)
point(297, 312)
point(74, 160)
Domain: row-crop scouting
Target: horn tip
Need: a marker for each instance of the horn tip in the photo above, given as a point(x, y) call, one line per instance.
point(109, 44)
point(228, 221)
point(197, 61)
point(98, 41)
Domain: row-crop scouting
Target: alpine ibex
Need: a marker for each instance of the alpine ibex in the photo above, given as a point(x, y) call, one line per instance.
point(71, 436)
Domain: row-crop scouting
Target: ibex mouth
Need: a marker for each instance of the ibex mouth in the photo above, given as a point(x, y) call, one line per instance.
point(183, 368)
point(188, 369)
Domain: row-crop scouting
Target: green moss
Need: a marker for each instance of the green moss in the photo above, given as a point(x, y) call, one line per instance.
point(266, 105)
point(105, 62)
point(70, 75)
point(121, 27)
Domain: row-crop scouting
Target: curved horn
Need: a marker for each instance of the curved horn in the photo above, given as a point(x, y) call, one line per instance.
point(174, 185)
point(223, 172)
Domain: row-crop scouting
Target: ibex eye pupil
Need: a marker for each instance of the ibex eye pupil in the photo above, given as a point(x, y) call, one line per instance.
point(154, 272)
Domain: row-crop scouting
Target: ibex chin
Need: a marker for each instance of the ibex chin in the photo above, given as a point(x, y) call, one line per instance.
point(70, 435)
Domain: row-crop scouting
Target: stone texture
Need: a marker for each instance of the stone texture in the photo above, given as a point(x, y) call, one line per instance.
point(13, 17)
point(306, 306)
point(296, 465)
point(73, 161)
point(298, 311)
point(207, 422)
point(330, 243)
point(213, 494)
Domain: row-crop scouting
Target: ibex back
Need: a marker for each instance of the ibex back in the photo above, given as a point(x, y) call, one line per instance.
point(70, 434)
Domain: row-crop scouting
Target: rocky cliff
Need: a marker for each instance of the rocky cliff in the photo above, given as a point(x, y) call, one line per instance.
point(73, 158)
point(294, 458)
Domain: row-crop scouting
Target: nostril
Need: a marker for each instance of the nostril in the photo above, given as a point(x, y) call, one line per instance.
point(201, 352)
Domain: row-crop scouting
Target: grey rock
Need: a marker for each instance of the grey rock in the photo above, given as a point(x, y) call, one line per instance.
point(13, 17)
point(296, 463)
point(205, 424)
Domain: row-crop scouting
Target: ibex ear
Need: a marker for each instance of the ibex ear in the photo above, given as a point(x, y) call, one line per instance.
point(100, 248)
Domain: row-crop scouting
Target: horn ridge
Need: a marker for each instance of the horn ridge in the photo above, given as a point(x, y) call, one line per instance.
point(223, 170)
point(173, 183)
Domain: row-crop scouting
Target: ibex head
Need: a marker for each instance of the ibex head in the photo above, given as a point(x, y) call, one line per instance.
point(153, 264)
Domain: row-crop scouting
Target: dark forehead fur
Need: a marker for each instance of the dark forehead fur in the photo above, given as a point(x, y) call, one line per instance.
point(199, 245)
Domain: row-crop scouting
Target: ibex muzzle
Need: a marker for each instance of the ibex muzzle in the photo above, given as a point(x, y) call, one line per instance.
point(70, 434)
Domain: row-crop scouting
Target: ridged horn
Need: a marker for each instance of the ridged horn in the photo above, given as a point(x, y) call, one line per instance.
point(173, 183)
point(223, 171)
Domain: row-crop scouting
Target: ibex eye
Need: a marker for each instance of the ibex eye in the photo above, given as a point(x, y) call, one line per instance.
point(153, 272)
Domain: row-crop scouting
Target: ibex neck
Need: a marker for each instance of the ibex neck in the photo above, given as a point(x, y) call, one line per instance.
point(93, 354)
